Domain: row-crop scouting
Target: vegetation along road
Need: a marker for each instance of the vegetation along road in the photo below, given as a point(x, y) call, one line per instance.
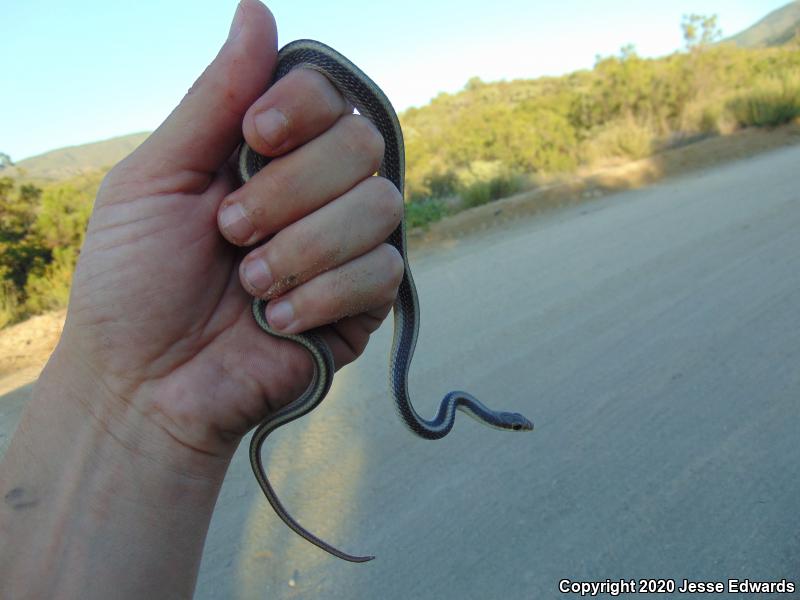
point(654, 338)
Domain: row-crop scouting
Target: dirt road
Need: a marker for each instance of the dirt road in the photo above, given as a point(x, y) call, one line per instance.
point(654, 338)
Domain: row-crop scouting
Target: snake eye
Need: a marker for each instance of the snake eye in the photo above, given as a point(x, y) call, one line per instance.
point(516, 427)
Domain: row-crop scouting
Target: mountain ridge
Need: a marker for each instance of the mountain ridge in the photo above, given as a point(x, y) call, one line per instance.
point(71, 161)
point(779, 27)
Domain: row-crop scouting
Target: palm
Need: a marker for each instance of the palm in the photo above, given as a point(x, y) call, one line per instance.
point(158, 280)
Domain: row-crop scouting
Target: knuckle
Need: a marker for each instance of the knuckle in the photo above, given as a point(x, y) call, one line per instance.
point(278, 182)
point(321, 93)
point(310, 305)
point(280, 254)
point(393, 266)
point(387, 202)
point(304, 79)
point(313, 248)
point(364, 139)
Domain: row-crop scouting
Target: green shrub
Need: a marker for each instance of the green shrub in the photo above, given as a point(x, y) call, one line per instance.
point(9, 304)
point(710, 120)
point(772, 102)
point(705, 115)
point(421, 213)
point(626, 138)
point(48, 287)
point(476, 194)
point(499, 186)
point(41, 232)
point(441, 184)
point(63, 216)
point(504, 186)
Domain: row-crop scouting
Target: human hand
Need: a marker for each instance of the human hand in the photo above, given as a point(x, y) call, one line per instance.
point(110, 480)
point(158, 314)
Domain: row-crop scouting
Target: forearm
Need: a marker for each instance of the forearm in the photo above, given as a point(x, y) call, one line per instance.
point(96, 501)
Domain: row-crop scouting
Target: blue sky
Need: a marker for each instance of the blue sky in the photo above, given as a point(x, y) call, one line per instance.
point(82, 71)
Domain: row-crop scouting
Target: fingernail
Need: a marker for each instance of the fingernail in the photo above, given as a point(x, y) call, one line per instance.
point(257, 274)
point(273, 127)
point(280, 314)
point(234, 223)
point(236, 24)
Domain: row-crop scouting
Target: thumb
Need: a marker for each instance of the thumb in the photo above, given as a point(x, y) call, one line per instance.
point(204, 129)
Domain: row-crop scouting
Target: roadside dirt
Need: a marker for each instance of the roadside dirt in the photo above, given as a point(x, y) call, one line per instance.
point(25, 347)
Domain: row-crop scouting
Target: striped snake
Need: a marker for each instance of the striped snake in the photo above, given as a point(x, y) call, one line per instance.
point(371, 102)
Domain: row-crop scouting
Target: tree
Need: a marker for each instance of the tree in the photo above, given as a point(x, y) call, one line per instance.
point(700, 31)
point(19, 248)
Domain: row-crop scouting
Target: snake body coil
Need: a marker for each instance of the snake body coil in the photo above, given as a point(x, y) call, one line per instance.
point(371, 102)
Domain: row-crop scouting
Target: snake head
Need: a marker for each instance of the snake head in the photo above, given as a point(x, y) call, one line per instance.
point(516, 422)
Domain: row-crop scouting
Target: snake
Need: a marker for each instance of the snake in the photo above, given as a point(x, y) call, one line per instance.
point(370, 102)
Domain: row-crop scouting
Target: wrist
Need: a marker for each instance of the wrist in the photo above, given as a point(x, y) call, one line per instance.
point(90, 488)
point(74, 396)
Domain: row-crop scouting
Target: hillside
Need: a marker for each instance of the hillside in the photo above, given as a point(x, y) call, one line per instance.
point(777, 28)
point(72, 161)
